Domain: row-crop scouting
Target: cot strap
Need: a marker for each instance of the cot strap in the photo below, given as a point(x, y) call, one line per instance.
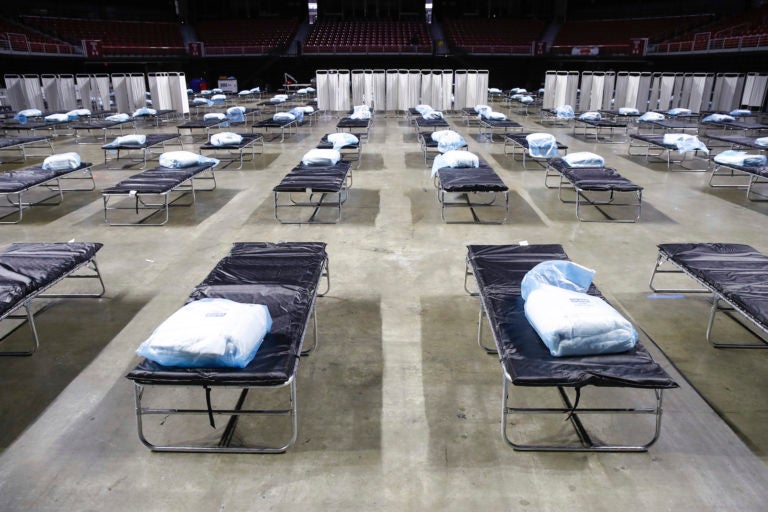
point(208, 405)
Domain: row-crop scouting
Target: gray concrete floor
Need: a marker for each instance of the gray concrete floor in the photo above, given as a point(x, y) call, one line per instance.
point(398, 407)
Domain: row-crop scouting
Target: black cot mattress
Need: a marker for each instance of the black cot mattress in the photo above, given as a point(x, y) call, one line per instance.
point(284, 277)
point(28, 268)
point(594, 178)
point(28, 177)
point(318, 178)
point(736, 271)
point(499, 270)
point(159, 180)
point(471, 179)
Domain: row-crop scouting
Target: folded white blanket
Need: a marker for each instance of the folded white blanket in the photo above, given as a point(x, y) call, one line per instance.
point(583, 159)
point(455, 158)
point(62, 162)
point(741, 158)
point(226, 139)
point(341, 139)
point(321, 157)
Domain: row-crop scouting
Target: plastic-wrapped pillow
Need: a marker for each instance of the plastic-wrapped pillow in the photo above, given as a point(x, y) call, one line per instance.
point(449, 140)
point(134, 139)
point(217, 90)
point(244, 92)
point(308, 109)
point(200, 101)
point(762, 141)
point(209, 333)
point(214, 116)
point(219, 98)
point(206, 92)
point(456, 159)
point(236, 114)
point(277, 100)
point(526, 99)
point(118, 118)
point(30, 112)
point(310, 89)
point(321, 157)
point(583, 159)
point(256, 90)
point(679, 111)
point(281, 96)
point(423, 109)
point(62, 162)
point(226, 139)
point(590, 116)
point(718, 118)
point(144, 111)
point(56, 118)
point(360, 113)
point(433, 115)
point(572, 323)
point(517, 96)
point(541, 145)
point(628, 111)
point(741, 158)
point(190, 91)
point(298, 113)
point(494, 90)
point(564, 112)
point(741, 112)
point(341, 139)
point(284, 116)
point(302, 91)
point(684, 142)
point(495, 116)
point(561, 273)
point(480, 107)
point(75, 114)
point(181, 159)
point(652, 116)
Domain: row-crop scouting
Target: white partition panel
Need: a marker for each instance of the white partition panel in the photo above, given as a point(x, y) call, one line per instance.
point(50, 87)
point(471, 93)
point(63, 95)
point(85, 92)
point(370, 96)
point(323, 89)
point(446, 90)
point(33, 92)
point(697, 91)
point(754, 90)
point(392, 87)
point(130, 92)
point(177, 84)
point(343, 91)
point(560, 88)
point(358, 86)
point(550, 84)
point(662, 91)
point(414, 88)
point(596, 90)
point(101, 88)
point(379, 79)
point(402, 90)
point(160, 90)
point(120, 86)
point(425, 94)
point(481, 92)
point(460, 89)
point(14, 92)
point(138, 90)
point(726, 95)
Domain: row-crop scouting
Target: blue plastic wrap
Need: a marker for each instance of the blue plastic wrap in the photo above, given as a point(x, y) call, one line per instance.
point(542, 145)
point(560, 273)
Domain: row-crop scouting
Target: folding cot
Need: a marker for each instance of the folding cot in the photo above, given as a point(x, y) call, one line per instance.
point(429, 146)
point(33, 127)
point(669, 125)
point(355, 149)
point(735, 275)
point(600, 187)
point(317, 183)
point(423, 125)
point(153, 141)
point(756, 175)
point(616, 114)
point(519, 146)
point(470, 182)
point(469, 113)
point(31, 269)
point(285, 277)
point(600, 125)
point(736, 142)
point(160, 116)
point(551, 116)
point(489, 126)
point(360, 127)
point(283, 124)
point(746, 127)
point(249, 142)
point(656, 142)
point(200, 129)
point(102, 125)
point(526, 362)
point(23, 144)
point(14, 184)
point(161, 182)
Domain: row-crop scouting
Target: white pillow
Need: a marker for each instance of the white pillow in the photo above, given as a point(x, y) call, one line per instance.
point(214, 116)
point(231, 110)
point(219, 97)
point(226, 139)
point(62, 162)
point(583, 159)
point(209, 333)
point(57, 118)
point(455, 158)
point(341, 139)
point(308, 109)
point(321, 157)
point(284, 116)
point(135, 138)
point(120, 118)
point(181, 159)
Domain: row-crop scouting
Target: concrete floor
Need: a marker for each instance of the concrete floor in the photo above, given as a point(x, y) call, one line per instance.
point(398, 408)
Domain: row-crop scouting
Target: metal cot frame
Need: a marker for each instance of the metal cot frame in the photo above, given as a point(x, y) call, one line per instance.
point(250, 141)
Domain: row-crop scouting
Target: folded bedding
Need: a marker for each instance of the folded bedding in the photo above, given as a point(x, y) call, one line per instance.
point(341, 139)
point(62, 162)
point(56, 118)
point(182, 159)
point(679, 112)
point(628, 111)
point(718, 118)
point(134, 139)
point(226, 139)
point(541, 145)
point(118, 118)
point(321, 157)
point(284, 116)
point(448, 140)
point(456, 159)
point(564, 112)
point(590, 116)
point(684, 142)
point(740, 158)
point(583, 159)
point(652, 116)
point(209, 333)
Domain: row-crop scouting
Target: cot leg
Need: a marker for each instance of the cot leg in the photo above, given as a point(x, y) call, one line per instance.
point(480, 323)
point(716, 307)
point(29, 318)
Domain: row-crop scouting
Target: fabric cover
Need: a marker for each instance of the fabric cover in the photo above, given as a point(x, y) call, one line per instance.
point(322, 157)
point(542, 145)
point(740, 158)
point(181, 159)
point(61, 162)
point(209, 333)
point(298, 113)
point(583, 159)
point(226, 139)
